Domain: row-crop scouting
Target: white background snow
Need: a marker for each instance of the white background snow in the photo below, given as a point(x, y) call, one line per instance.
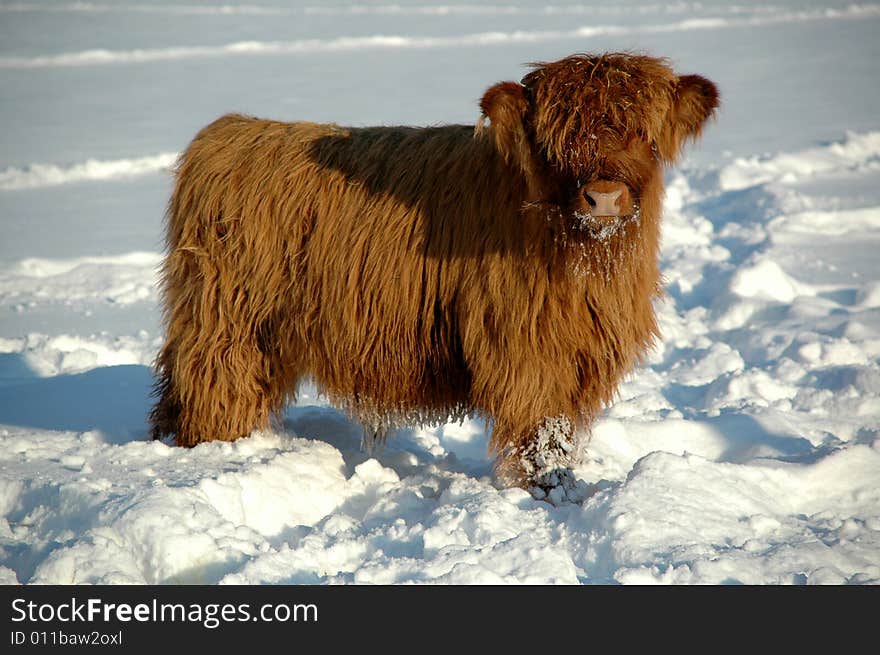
point(746, 450)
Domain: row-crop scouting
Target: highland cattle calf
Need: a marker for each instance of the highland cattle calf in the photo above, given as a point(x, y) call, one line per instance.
point(423, 274)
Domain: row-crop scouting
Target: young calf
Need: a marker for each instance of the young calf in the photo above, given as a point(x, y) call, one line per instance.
point(422, 274)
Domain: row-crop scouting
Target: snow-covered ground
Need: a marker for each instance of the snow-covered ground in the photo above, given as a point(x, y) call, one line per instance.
point(746, 450)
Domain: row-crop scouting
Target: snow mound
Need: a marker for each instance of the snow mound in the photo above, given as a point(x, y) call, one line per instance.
point(45, 175)
point(858, 152)
point(765, 279)
point(118, 280)
point(799, 525)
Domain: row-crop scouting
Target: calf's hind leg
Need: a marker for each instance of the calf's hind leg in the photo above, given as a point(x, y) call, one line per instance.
point(220, 373)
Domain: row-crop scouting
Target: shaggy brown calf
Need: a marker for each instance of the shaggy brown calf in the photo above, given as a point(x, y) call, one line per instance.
point(421, 274)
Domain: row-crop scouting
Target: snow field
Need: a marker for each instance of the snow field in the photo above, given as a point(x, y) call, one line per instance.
point(745, 450)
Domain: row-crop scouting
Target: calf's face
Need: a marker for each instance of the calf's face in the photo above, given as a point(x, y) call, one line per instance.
point(591, 134)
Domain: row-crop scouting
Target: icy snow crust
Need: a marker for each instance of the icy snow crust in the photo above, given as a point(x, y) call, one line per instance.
point(745, 450)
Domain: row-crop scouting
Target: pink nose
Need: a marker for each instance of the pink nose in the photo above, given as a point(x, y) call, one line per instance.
point(607, 198)
point(603, 204)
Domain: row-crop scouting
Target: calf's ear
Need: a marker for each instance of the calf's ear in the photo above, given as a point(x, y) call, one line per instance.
point(695, 101)
point(505, 106)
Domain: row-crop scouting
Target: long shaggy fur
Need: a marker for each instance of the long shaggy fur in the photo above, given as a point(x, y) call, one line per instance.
point(421, 274)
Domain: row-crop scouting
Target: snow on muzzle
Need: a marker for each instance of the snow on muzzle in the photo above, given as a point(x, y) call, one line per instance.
point(603, 207)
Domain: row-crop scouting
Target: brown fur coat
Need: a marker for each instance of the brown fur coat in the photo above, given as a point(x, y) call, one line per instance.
point(420, 274)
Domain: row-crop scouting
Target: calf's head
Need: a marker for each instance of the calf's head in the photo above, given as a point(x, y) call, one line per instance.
point(591, 133)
